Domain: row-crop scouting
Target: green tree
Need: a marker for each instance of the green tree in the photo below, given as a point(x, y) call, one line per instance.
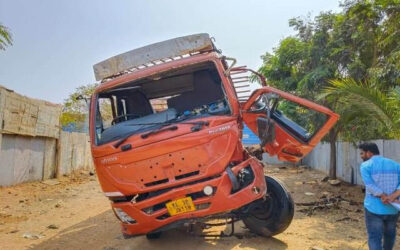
point(76, 111)
point(5, 37)
point(360, 42)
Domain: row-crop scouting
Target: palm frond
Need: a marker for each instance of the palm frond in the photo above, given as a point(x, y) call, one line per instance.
point(366, 99)
point(5, 37)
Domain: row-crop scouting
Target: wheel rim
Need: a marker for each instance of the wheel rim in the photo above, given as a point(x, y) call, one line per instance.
point(263, 210)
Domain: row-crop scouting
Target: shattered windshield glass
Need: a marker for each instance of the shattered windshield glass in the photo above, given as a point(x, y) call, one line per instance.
point(150, 105)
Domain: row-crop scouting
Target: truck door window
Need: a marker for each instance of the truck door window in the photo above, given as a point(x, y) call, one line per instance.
point(300, 121)
point(104, 115)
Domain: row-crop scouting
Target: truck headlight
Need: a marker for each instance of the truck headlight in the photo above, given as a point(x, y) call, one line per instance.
point(208, 190)
point(124, 217)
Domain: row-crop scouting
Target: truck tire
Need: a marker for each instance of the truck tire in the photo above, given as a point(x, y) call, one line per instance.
point(274, 214)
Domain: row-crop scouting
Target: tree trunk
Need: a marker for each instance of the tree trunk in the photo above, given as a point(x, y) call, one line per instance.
point(332, 161)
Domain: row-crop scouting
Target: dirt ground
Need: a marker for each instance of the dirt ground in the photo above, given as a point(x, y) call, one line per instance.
point(72, 213)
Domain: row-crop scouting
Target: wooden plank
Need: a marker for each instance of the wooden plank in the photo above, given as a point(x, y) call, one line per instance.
point(167, 49)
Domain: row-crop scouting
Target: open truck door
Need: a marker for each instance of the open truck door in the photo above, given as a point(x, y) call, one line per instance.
point(288, 126)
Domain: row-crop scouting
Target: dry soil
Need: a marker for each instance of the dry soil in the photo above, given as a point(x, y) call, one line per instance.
point(72, 213)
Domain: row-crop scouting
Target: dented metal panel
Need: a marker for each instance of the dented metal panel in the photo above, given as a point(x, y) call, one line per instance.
point(154, 52)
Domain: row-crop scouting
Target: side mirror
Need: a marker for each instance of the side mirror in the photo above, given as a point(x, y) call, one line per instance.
point(266, 130)
point(264, 103)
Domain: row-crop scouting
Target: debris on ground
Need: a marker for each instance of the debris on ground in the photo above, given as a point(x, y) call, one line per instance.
point(347, 218)
point(317, 248)
point(32, 236)
point(325, 179)
point(52, 226)
point(334, 182)
point(296, 171)
point(51, 182)
point(325, 203)
point(309, 193)
point(311, 182)
point(325, 194)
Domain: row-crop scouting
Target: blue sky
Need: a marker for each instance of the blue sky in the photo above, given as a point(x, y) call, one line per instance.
point(56, 43)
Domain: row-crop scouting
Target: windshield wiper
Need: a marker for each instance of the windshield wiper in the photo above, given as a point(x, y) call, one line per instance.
point(144, 136)
point(198, 126)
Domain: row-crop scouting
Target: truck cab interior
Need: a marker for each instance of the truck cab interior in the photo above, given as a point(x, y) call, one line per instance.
point(144, 104)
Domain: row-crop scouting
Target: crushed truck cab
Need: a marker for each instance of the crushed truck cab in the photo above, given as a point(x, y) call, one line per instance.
point(166, 135)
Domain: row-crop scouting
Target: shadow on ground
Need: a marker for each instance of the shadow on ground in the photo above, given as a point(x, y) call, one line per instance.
point(103, 232)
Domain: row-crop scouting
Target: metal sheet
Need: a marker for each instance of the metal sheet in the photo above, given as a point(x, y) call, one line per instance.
point(348, 158)
point(391, 149)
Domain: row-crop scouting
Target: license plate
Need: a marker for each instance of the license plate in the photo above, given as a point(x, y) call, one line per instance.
point(180, 206)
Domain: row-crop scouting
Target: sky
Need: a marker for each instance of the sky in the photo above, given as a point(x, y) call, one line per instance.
point(56, 43)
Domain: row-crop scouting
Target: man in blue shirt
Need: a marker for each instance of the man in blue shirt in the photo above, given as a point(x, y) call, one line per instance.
point(381, 177)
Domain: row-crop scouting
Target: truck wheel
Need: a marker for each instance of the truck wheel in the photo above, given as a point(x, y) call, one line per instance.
point(152, 236)
point(273, 215)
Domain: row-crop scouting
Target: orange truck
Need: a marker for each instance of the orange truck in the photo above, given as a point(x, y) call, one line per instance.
point(166, 136)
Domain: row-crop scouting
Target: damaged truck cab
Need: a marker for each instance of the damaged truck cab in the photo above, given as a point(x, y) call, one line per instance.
point(166, 135)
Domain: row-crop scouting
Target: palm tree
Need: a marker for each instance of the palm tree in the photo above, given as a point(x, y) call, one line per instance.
point(5, 37)
point(366, 99)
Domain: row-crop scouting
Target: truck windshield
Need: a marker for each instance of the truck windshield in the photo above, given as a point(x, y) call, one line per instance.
point(145, 104)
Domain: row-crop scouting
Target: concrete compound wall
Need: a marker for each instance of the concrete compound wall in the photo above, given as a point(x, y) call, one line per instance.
point(26, 158)
point(73, 153)
point(32, 145)
point(348, 158)
point(22, 159)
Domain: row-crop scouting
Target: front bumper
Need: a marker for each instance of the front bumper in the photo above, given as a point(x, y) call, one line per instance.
point(223, 200)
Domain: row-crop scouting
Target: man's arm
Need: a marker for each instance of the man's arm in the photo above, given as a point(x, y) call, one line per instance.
point(370, 185)
point(394, 196)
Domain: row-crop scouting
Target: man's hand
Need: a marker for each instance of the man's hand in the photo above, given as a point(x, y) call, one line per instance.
point(392, 197)
point(384, 199)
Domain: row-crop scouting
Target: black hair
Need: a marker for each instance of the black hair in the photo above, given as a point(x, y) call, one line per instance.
point(369, 146)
